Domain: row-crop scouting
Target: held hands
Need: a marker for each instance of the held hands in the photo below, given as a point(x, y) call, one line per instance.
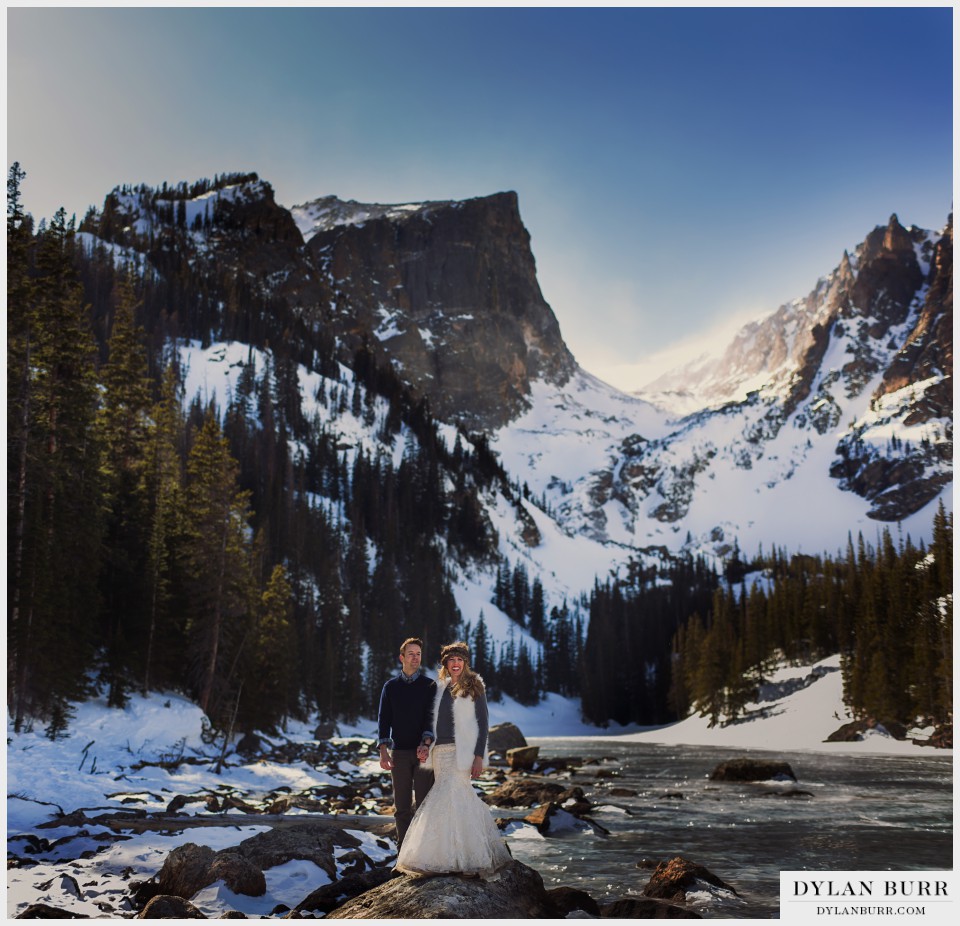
point(422, 753)
point(477, 767)
point(386, 761)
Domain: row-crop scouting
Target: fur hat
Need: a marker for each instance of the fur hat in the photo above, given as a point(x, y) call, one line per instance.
point(454, 649)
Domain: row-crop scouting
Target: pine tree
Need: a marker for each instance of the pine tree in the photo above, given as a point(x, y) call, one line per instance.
point(163, 488)
point(538, 610)
point(122, 425)
point(217, 560)
point(269, 682)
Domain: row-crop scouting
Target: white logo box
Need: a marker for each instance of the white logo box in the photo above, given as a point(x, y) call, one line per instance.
point(892, 897)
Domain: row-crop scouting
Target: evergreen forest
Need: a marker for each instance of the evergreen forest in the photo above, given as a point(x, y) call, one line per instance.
point(243, 555)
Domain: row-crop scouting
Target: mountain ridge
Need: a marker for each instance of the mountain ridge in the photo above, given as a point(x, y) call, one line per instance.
point(446, 293)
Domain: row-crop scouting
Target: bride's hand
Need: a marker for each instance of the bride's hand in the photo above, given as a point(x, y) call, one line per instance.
point(477, 767)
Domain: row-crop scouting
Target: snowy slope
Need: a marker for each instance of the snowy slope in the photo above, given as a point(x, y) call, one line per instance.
point(738, 448)
point(581, 447)
point(329, 211)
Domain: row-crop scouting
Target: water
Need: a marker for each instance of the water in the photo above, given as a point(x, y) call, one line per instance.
point(859, 813)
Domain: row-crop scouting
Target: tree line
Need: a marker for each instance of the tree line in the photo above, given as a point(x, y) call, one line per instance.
point(886, 609)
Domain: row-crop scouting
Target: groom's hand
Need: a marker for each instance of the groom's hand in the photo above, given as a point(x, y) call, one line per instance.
point(422, 753)
point(386, 761)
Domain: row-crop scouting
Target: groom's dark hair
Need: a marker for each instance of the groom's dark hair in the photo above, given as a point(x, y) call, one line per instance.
point(415, 640)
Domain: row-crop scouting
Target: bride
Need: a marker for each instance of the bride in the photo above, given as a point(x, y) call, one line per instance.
point(452, 830)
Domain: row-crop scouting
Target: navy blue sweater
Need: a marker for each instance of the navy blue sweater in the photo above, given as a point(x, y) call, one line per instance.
point(406, 712)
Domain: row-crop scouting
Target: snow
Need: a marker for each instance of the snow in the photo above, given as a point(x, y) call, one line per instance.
point(624, 471)
point(287, 884)
point(799, 721)
point(330, 212)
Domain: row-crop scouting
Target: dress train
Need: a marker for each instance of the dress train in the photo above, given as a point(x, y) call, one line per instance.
point(452, 830)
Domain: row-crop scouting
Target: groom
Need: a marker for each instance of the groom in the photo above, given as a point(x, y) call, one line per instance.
point(404, 721)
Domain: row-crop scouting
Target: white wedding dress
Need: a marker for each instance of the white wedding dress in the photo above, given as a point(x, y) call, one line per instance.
point(452, 830)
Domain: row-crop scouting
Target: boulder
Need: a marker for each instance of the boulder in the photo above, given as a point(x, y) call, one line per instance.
point(169, 907)
point(179, 801)
point(185, 871)
point(238, 873)
point(746, 769)
point(853, 732)
point(568, 899)
point(524, 792)
point(313, 842)
point(540, 818)
point(249, 745)
point(518, 893)
point(505, 736)
point(190, 868)
point(326, 730)
point(522, 757)
point(328, 897)
point(44, 911)
point(671, 880)
point(942, 737)
point(232, 802)
point(574, 801)
point(645, 908)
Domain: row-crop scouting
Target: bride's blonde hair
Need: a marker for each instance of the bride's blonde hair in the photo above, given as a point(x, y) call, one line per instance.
point(470, 684)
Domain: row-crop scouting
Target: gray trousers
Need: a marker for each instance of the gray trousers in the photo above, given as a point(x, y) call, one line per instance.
point(408, 776)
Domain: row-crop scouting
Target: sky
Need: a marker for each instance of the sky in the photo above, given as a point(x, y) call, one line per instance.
point(680, 170)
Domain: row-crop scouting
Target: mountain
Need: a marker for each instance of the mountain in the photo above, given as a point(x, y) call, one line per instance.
point(449, 292)
point(842, 396)
point(840, 400)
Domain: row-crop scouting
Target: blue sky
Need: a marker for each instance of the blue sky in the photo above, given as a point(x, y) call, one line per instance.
point(678, 169)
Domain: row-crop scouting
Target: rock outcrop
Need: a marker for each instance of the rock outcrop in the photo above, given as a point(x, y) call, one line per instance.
point(746, 769)
point(525, 792)
point(170, 907)
point(504, 736)
point(646, 908)
point(518, 892)
point(672, 880)
point(448, 292)
point(190, 868)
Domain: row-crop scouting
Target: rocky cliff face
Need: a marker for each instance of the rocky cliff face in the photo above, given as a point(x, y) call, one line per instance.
point(864, 359)
point(445, 291)
point(448, 292)
point(911, 408)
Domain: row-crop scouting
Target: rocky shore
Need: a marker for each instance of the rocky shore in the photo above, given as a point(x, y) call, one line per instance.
point(338, 838)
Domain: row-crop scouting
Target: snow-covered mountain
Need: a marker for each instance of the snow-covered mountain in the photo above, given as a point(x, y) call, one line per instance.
point(818, 405)
point(448, 292)
point(832, 413)
point(808, 425)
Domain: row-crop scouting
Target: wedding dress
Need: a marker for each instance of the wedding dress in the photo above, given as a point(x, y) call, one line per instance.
point(452, 830)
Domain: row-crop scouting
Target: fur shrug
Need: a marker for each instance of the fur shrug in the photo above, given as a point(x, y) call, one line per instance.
point(466, 729)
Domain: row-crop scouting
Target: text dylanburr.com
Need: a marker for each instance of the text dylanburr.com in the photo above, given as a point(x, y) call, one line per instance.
point(894, 896)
